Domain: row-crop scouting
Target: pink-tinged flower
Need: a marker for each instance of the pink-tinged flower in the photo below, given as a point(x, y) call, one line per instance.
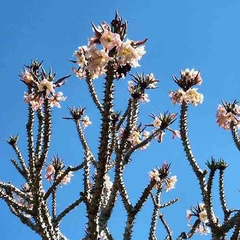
point(81, 55)
point(86, 121)
point(144, 98)
point(97, 62)
point(154, 175)
point(56, 98)
point(170, 183)
point(27, 77)
point(146, 134)
point(157, 122)
point(36, 102)
point(50, 171)
point(191, 75)
point(193, 97)
point(189, 215)
point(47, 86)
point(177, 97)
point(110, 40)
point(131, 87)
point(225, 118)
point(176, 134)
point(135, 137)
point(80, 73)
point(153, 80)
point(130, 54)
point(203, 230)
point(203, 216)
point(67, 178)
point(98, 30)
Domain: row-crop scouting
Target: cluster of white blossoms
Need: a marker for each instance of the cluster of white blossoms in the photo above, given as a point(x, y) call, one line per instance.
point(169, 182)
point(191, 96)
point(136, 137)
point(226, 118)
point(201, 213)
point(103, 47)
point(186, 93)
point(40, 90)
point(51, 171)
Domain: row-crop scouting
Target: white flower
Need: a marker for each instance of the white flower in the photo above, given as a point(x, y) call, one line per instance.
point(86, 121)
point(47, 86)
point(170, 183)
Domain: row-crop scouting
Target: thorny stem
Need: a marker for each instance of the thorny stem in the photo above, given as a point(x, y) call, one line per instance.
point(102, 154)
point(235, 136)
point(132, 213)
point(129, 226)
point(126, 113)
point(30, 140)
point(54, 201)
point(47, 132)
point(68, 210)
point(106, 212)
point(137, 208)
point(169, 203)
point(9, 200)
point(169, 231)
point(156, 203)
point(135, 112)
point(21, 160)
point(222, 195)
point(86, 177)
point(209, 209)
point(185, 141)
point(108, 234)
point(94, 94)
point(83, 140)
point(41, 123)
point(236, 233)
point(205, 190)
point(19, 169)
point(124, 194)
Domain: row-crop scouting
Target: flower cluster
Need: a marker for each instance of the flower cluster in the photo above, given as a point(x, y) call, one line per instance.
point(191, 96)
point(86, 121)
point(186, 93)
point(55, 170)
point(139, 84)
point(200, 212)
point(228, 114)
point(161, 176)
point(137, 136)
point(108, 45)
point(41, 86)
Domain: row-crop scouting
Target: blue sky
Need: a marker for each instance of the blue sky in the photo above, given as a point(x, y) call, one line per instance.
point(196, 34)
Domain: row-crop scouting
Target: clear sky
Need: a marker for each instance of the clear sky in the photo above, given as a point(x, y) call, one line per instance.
point(204, 35)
